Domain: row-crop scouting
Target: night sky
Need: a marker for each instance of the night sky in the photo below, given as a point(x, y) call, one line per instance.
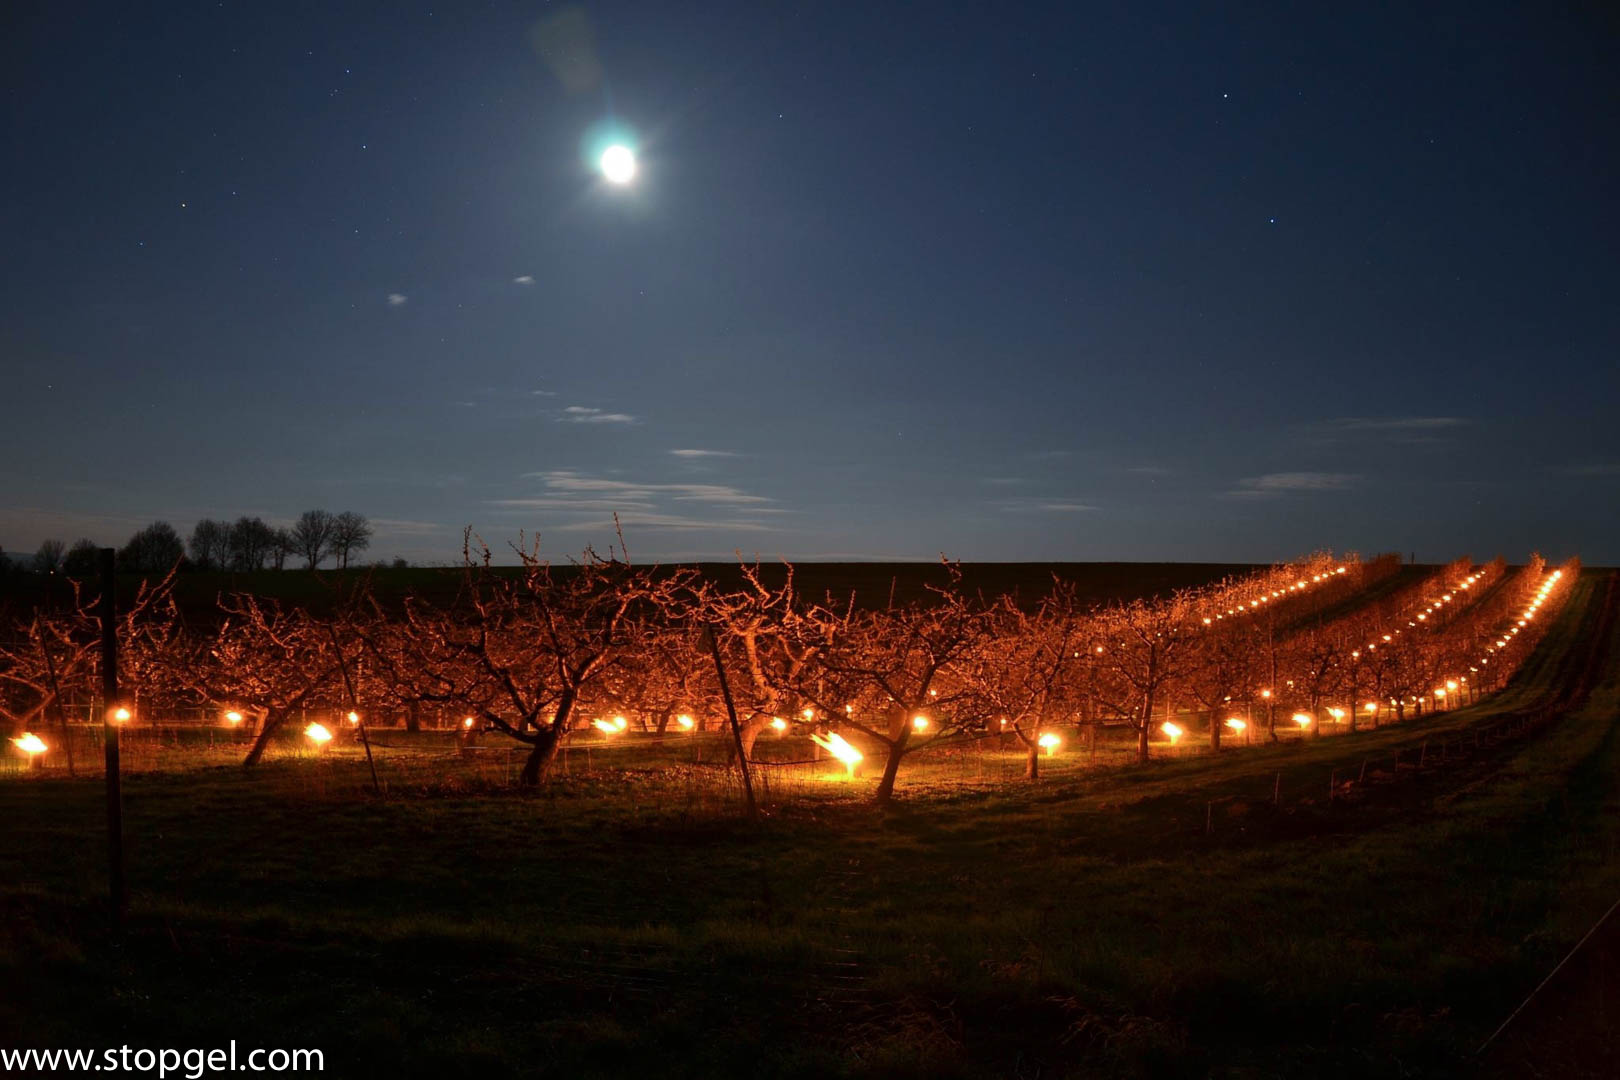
point(1007, 282)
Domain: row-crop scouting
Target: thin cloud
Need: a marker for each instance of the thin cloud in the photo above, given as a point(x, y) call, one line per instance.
point(1610, 468)
point(1396, 423)
point(396, 299)
point(543, 393)
point(633, 519)
point(1044, 506)
point(576, 501)
point(523, 279)
point(1272, 485)
point(580, 414)
point(1148, 470)
point(703, 453)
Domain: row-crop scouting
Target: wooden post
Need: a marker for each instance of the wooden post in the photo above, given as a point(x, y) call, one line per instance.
point(348, 684)
point(109, 701)
point(736, 729)
point(1276, 791)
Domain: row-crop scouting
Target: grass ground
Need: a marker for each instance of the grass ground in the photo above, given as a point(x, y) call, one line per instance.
point(1158, 920)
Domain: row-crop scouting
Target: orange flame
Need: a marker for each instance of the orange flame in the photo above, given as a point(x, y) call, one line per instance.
point(834, 744)
point(30, 744)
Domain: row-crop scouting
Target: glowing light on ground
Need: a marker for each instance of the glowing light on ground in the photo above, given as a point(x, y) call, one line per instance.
point(1303, 720)
point(1049, 742)
point(1236, 725)
point(686, 722)
point(1173, 730)
point(233, 717)
point(121, 714)
point(919, 723)
point(317, 734)
point(778, 724)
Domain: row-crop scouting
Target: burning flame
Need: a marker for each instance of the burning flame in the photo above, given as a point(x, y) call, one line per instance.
point(834, 744)
point(685, 722)
point(233, 717)
point(469, 722)
point(1172, 729)
point(919, 723)
point(607, 727)
point(1337, 714)
point(120, 714)
point(778, 724)
point(318, 734)
point(1235, 724)
point(1049, 742)
point(354, 717)
point(1303, 720)
point(30, 744)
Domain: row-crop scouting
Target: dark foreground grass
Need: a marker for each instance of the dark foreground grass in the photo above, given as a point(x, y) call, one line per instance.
point(626, 923)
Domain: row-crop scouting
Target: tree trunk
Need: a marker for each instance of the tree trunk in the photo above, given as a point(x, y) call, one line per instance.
point(547, 742)
point(541, 757)
point(1215, 729)
point(413, 717)
point(1032, 763)
point(1144, 728)
point(272, 721)
point(891, 767)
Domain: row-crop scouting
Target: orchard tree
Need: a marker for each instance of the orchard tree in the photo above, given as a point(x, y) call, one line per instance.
point(878, 672)
point(1149, 647)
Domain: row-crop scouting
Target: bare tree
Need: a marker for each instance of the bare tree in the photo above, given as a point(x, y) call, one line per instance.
point(250, 542)
point(209, 544)
point(892, 675)
point(48, 559)
point(155, 549)
point(312, 536)
point(282, 544)
point(1148, 648)
point(351, 532)
point(81, 559)
point(521, 650)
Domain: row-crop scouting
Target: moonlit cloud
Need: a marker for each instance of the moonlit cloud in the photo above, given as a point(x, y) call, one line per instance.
point(396, 299)
point(580, 414)
point(703, 453)
point(1271, 485)
point(523, 279)
point(575, 501)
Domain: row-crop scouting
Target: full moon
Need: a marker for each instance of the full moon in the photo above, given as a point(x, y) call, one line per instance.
point(618, 164)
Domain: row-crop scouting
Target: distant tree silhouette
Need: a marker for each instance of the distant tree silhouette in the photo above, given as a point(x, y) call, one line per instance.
point(154, 550)
point(351, 532)
point(312, 536)
point(250, 543)
point(81, 558)
point(282, 544)
point(209, 544)
point(48, 559)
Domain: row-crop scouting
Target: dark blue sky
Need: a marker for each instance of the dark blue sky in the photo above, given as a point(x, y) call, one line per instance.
point(1078, 282)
